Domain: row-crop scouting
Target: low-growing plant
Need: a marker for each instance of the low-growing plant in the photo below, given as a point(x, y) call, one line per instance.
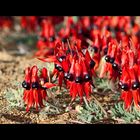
point(120, 114)
point(14, 98)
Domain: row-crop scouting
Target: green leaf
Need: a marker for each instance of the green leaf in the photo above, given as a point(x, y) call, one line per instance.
point(120, 108)
point(90, 117)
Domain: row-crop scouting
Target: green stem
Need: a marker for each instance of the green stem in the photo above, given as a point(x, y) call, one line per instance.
point(85, 100)
point(98, 103)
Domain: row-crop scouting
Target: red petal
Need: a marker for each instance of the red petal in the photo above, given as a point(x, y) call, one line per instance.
point(87, 89)
point(30, 101)
point(72, 67)
point(65, 65)
point(78, 69)
point(49, 59)
point(74, 91)
point(87, 56)
point(27, 74)
point(136, 95)
point(60, 79)
point(26, 95)
point(49, 85)
point(35, 95)
point(132, 74)
point(44, 73)
point(41, 97)
point(34, 72)
point(128, 99)
point(80, 91)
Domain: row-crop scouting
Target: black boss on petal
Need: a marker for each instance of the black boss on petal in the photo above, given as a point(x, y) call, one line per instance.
point(95, 49)
point(52, 38)
point(107, 58)
point(120, 84)
point(115, 66)
point(135, 85)
point(65, 75)
point(64, 40)
point(112, 59)
point(35, 85)
point(124, 87)
point(56, 66)
point(59, 68)
point(70, 77)
point(25, 85)
point(61, 58)
point(78, 79)
point(87, 77)
point(92, 64)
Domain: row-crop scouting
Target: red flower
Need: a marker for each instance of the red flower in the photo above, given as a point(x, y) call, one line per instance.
point(35, 87)
point(129, 81)
point(29, 23)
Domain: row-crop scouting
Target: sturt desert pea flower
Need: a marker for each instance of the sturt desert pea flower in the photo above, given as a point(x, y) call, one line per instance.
point(61, 67)
point(135, 86)
point(35, 87)
point(76, 80)
point(97, 51)
point(90, 63)
point(46, 41)
point(133, 71)
point(130, 87)
point(6, 22)
point(125, 84)
point(74, 69)
point(29, 23)
point(129, 81)
point(57, 59)
point(62, 61)
point(80, 81)
point(87, 79)
point(106, 67)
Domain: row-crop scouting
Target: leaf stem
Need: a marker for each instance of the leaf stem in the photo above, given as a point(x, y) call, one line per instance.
point(98, 103)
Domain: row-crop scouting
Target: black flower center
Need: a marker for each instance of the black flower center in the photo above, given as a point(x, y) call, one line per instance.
point(52, 39)
point(115, 66)
point(135, 85)
point(92, 64)
point(69, 77)
point(35, 85)
point(61, 58)
point(95, 49)
point(107, 58)
point(59, 68)
point(64, 40)
point(78, 79)
point(120, 84)
point(25, 85)
point(112, 59)
point(87, 77)
point(124, 87)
